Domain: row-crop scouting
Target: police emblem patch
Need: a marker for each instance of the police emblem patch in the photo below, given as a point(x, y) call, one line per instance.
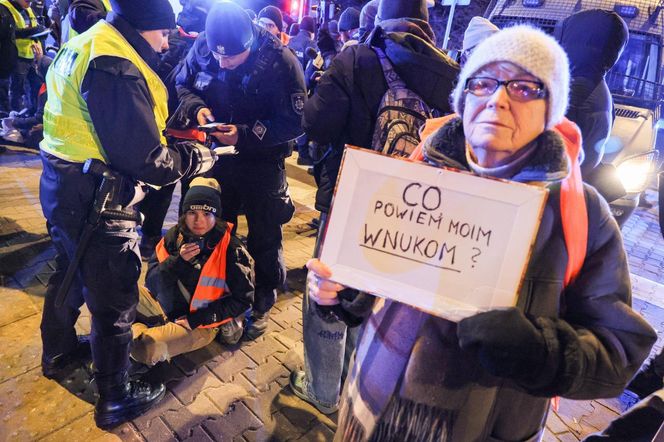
point(64, 62)
point(259, 130)
point(297, 100)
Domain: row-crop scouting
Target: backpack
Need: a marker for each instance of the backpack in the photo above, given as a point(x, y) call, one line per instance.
point(401, 114)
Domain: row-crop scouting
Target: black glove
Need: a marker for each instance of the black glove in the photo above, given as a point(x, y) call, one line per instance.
point(507, 343)
point(325, 42)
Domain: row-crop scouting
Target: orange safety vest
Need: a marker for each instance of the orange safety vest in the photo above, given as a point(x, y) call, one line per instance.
point(212, 281)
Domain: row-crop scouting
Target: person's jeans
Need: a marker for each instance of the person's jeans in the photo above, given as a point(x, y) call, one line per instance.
point(328, 347)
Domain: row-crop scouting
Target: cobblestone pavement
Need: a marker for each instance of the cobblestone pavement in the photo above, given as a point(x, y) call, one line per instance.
point(218, 393)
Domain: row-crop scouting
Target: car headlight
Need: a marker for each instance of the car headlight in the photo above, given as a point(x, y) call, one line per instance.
point(635, 171)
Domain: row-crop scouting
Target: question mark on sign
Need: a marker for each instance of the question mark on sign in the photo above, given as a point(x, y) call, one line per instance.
point(478, 252)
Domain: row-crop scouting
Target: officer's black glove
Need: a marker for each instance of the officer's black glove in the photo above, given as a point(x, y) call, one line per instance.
point(325, 42)
point(202, 158)
point(507, 343)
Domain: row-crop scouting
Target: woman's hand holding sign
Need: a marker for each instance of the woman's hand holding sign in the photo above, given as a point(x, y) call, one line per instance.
point(321, 289)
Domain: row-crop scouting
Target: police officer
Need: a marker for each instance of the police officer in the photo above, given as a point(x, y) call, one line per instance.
point(190, 23)
point(240, 75)
point(25, 24)
point(106, 102)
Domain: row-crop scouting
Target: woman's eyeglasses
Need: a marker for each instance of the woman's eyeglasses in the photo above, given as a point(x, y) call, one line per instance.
point(519, 90)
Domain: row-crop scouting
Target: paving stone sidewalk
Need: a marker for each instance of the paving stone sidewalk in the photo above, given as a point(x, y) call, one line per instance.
point(218, 393)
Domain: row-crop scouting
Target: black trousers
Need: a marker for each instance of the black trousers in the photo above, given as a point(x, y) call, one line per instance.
point(261, 190)
point(107, 283)
point(24, 80)
point(4, 95)
point(155, 207)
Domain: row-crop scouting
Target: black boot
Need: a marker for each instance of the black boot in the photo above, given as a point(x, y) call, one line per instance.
point(646, 381)
point(255, 325)
point(56, 366)
point(139, 398)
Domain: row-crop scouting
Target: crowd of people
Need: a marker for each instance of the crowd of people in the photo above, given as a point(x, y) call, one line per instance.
point(130, 101)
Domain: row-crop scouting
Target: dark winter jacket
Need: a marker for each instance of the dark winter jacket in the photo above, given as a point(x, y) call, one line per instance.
point(591, 55)
point(121, 110)
point(179, 44)
point(85, 13)
point(594, 342)
point(343, 110)
point(263, 97)
point(162, 278)
point(8, 49)
point(299, 44)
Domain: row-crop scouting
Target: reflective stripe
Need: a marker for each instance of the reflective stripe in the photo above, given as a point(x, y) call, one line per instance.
point(199, 303)
point(209, 281)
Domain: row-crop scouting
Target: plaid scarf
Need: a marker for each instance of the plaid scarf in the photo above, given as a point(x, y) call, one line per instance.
point(383, 350)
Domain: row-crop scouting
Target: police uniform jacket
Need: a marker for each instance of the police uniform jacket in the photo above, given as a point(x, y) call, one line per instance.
point(299, 44)
point(264, 97)
point(121, 110)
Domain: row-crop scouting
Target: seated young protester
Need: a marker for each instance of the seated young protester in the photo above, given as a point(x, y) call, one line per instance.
point(490, 376)
point(199, 282)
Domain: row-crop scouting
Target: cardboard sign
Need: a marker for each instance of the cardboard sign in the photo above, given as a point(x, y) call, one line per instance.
point(449, 243)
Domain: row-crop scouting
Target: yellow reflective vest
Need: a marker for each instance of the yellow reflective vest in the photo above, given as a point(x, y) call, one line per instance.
point(69, 133)
point(24, 45)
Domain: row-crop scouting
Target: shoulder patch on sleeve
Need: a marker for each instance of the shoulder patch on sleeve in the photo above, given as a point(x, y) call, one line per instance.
point(297, 101)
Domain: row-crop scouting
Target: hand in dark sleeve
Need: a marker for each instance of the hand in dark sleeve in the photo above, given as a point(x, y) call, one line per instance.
point(121, 110)
point(83, 14)
point(506, 342)
point(353, 308)
point(286, 102)
point(326, 112)
point(240, 280)
point(190, 101)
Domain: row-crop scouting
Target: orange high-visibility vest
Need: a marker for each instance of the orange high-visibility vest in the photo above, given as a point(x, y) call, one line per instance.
point(212, 281)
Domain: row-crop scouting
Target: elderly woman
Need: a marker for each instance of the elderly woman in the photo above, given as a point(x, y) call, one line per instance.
point(417, 377)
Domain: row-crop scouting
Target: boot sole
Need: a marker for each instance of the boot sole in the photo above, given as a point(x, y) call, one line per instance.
point(110, 422)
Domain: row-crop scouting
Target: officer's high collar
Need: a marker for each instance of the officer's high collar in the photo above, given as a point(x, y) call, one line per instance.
point(134, 38)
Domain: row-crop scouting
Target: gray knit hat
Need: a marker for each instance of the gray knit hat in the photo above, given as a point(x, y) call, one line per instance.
point(533, 51)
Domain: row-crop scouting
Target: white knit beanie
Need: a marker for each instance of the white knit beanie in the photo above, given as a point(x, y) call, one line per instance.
point(533, 51)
